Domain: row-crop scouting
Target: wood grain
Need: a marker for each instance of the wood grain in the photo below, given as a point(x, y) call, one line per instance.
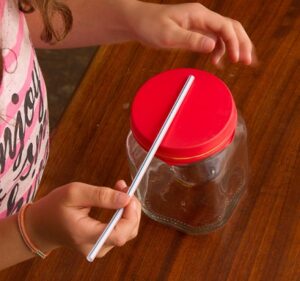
point(262, 239)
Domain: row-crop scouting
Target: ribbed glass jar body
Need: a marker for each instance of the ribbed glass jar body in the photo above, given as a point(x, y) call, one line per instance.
point(198, 197)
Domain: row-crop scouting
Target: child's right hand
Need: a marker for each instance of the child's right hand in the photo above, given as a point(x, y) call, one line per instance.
point(62, 217)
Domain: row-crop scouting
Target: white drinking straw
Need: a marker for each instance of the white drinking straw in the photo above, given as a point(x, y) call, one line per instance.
point(143, 168)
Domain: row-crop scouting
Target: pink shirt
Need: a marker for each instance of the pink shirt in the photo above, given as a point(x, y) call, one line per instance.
point(24, 130)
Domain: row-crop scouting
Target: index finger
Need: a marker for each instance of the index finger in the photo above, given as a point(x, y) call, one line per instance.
point(222, 27)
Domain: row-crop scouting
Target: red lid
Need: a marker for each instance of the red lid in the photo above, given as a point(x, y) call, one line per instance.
point(204, 124)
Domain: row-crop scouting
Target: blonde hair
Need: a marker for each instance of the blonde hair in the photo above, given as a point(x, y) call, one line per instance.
point(48, 9)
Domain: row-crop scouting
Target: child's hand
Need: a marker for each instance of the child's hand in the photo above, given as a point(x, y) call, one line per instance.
point(62, 217)
point(190, 26)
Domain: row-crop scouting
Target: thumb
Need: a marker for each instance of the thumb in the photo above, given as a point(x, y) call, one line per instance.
point(193, 40)
point(85, 195)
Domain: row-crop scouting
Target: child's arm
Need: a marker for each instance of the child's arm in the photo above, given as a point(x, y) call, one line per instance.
point(62, 219)
point(188, 26)
point(95, 22)
point(12, 247)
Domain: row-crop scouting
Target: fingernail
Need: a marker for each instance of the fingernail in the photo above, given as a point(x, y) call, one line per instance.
point(236, 57)
point(208, 44)
point(123, 184)
point(247, 59)
point(134, 205)
point(217, 60)
point(121, 198)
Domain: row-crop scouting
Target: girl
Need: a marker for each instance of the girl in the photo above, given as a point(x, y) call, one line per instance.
point(62, 217)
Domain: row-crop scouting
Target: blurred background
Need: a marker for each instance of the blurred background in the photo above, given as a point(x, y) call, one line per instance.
point(63, 70)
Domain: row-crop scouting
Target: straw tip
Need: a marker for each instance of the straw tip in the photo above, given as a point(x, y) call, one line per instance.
point(89, 258)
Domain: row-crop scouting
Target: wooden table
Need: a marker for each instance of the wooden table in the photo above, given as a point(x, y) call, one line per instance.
point(262, 239)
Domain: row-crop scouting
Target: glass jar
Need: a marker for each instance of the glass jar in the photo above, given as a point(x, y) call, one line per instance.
point(200, 170)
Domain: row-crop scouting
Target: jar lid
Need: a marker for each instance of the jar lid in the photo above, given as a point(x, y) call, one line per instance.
point(203, 126)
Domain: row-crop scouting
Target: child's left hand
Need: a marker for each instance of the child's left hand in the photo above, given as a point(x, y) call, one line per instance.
point(190, 26)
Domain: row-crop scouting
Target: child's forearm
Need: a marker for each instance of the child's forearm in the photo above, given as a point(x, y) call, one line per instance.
point(12, 247)
point(94, 22)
